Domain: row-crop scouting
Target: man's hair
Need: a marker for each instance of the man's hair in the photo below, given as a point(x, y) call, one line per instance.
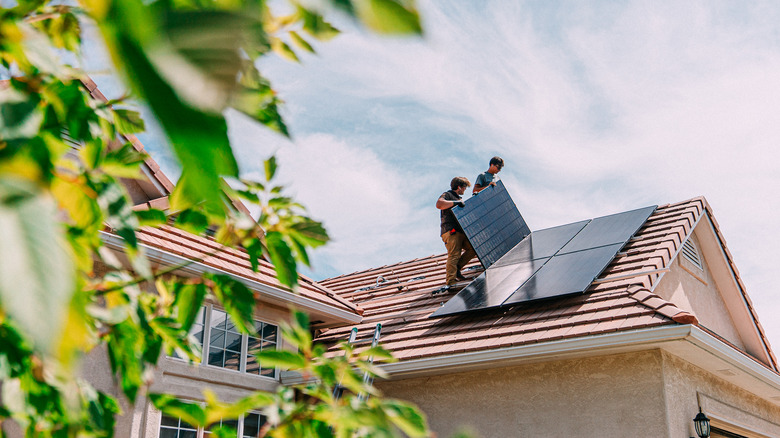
point(498, 161)
point(459, 181)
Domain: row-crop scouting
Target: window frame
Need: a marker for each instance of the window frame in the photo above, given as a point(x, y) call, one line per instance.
point(208, 310)
point(202, 432)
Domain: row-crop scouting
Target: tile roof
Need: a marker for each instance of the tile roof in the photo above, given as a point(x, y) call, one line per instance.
point(620, 299)
point(234, 261)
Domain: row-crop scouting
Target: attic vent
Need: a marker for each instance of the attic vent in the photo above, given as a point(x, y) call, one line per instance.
point(691, 254)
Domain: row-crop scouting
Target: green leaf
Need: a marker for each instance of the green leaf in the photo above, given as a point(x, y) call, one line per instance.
point(124, 162)
point(270, 168)
point(286, 360)
point(128, 122)
point(255, 250)
point(283, 50)
point(125, 349)
point(388, 16)
point(188, 302)
point(151, 217)
point(189, 412)
point(407, 418)
point(36, 271)
point(20, 114)
point(198, 137)
point(310, 233)
point(316, 26)
point(193, 221)
point(300, 42)
point(282, 259)
point(238, 300)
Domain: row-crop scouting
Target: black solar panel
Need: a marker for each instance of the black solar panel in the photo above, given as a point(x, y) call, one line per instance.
point(492, 223)
point(547, 263)
point(491, 288)
point(565, 274)
point(606, 230)
point(542, 243)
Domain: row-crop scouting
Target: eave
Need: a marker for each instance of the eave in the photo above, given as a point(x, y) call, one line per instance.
point(263, 292)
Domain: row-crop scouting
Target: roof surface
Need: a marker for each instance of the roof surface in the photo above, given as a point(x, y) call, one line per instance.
point(234, 261)
point(618, 300)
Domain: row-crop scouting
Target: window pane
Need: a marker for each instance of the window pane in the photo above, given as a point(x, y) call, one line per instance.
point(269, 332)
point(252, 367)
point(217, 338)
point(268, 372)
point(233, 341)
point(218, 318)
point(168, 433)
point(232, 360)
point(216, 357)
point(252, 424)
point(188, 434)
point(169, 421)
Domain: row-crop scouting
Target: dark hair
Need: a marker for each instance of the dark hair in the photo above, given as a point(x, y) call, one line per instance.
point(498, 161)
point(459, 181)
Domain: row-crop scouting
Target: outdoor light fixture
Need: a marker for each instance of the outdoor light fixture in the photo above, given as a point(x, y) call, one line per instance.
point(702, 425)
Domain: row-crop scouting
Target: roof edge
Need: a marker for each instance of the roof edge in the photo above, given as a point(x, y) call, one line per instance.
point(272, 294)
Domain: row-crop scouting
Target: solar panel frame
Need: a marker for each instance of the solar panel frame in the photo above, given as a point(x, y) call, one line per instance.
point(492, 223)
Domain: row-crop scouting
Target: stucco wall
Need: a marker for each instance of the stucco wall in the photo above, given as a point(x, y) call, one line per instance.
point(687, 386)
point(694, 290)
point(605, 396)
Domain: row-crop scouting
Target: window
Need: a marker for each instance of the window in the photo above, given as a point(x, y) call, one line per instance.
point(247, 426)
point(171, 427)
point(691, 254)
point(266, 341)
point(225, 342)
point(224, 346)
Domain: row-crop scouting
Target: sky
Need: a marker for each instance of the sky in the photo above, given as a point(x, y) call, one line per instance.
point(596, 107)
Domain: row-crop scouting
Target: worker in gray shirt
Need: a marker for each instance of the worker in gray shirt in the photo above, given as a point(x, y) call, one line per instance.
point(489, 177)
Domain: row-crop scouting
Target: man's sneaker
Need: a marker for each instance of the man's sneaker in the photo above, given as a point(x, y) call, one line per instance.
point(460, 276)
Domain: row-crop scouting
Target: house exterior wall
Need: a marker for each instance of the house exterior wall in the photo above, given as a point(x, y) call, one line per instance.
point(694, 290)
point(731, 408)
point(177, 377)
point(606, 396)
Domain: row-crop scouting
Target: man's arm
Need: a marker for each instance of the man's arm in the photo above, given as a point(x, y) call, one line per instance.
point(443, 204)
point(477, 188)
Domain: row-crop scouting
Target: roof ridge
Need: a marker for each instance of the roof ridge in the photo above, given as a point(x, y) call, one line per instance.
point(661, 306)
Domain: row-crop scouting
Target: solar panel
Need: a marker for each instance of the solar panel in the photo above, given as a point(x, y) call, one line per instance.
point(492, 223)
point(565, 274)
point(491, 288)
point(542, 243)
point(606, 230)
point(553, 262)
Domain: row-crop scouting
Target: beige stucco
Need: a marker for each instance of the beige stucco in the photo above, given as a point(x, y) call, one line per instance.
point(597, 396)
point(608, 396)
point(732, 408)
point(695, 290)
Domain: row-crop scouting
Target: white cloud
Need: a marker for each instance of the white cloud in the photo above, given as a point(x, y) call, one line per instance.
point(597, 108)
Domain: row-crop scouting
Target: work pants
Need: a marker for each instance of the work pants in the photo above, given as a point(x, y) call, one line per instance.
point(459, 254)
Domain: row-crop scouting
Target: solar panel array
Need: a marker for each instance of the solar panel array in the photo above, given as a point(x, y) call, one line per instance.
point(492, 223)
point(548, 263)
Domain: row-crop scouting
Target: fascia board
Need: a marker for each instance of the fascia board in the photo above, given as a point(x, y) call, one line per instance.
point(734, 357)
point(272, 294)
point(554, 350)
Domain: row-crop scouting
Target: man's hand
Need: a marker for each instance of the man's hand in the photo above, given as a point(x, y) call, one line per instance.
point(458, 204)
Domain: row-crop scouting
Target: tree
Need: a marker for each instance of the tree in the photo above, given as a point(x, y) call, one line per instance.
point(187, 60)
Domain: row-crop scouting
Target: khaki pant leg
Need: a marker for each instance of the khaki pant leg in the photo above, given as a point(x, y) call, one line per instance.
point(468, 253)
point(454, 248)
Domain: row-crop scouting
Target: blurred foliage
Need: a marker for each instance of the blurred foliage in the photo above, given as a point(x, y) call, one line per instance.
point(65, 156)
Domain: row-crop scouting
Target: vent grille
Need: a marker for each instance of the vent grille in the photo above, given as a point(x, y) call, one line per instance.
point(691, 254)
